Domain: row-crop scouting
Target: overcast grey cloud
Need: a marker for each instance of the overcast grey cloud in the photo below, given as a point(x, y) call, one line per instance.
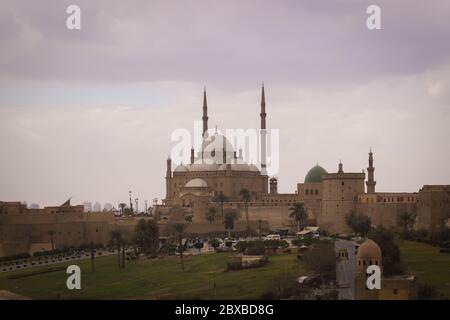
point(89, 113)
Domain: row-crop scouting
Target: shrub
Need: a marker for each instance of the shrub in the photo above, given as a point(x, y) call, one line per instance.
point(167, 249)
point(275, 244)
point(254, 248)
point(214, 243)
point(303, 242)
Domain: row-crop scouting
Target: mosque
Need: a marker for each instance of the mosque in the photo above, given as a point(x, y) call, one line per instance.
point(214, 177)
point(218, 171)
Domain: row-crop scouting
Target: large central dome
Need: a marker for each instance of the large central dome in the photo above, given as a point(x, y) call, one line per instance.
point(315, 174)
point(214, 147)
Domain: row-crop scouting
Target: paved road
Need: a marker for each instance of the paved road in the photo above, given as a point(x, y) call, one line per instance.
point(346, 269)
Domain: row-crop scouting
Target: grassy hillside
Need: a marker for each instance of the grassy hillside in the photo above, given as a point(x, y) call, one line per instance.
point(159, 279)
point(425, 261)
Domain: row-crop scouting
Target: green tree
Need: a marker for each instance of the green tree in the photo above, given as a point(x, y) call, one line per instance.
point(406, 220)
point(188, 219)
point(359, 223)
point(298, 213)
point(147, 236)
point(321, 259)
point(389, 250)
point(178, 229)
point(221, 199)
point(117, 241)
point(210, 214)
point(230, 216)
point(245, 196)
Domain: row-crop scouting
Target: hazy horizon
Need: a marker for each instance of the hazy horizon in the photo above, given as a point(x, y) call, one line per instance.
point(88, 113)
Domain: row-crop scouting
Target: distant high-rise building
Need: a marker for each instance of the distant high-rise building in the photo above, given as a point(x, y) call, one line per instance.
point(97, 207)
point(107, 207)
point(87, 206)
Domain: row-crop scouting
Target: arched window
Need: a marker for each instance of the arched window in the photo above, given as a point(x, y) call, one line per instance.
point(306, 191)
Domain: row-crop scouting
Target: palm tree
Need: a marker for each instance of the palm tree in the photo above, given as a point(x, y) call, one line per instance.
point(92, 256)
point(228, 221)
point(179, 229)
point(220, 199)
point(117, 241)
point(298, 213)
point(211, 214)
point(124, 243)
point(246, 197)
point(51, 233)
point(406, 219)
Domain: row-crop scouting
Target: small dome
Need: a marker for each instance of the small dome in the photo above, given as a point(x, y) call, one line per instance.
point(315, 174)
point(369, 250)
point(196, 183)
point(181, 168)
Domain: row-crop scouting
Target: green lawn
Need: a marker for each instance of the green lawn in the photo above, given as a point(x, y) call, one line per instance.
point(159, 279)
point(425, 261)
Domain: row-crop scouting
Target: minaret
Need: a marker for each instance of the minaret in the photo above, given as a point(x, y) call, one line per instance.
point(370, 174)
point(273, 185)
point(168, 178)
point(340, 167)
point(263, 132)
point(205, 113)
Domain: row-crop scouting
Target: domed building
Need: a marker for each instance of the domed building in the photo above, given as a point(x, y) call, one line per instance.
point(315, 174)
point(216, 169)
point(310, 192)
point(401, 287)
point(369, 253)
point(328, 197)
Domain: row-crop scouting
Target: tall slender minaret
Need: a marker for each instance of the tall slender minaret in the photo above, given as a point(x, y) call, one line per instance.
point(205, 113)
point(263, 132)
point(370, 174)
point(341, 170)
point(168, 178)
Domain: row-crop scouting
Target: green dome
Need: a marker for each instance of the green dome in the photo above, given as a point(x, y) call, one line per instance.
point(315, 174)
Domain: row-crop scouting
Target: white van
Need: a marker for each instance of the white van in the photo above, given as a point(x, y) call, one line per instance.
point(273, 237)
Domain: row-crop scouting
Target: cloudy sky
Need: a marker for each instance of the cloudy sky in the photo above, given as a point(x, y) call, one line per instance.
point(89, 113)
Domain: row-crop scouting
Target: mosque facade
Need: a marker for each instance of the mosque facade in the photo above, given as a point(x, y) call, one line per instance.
point(217, 171)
